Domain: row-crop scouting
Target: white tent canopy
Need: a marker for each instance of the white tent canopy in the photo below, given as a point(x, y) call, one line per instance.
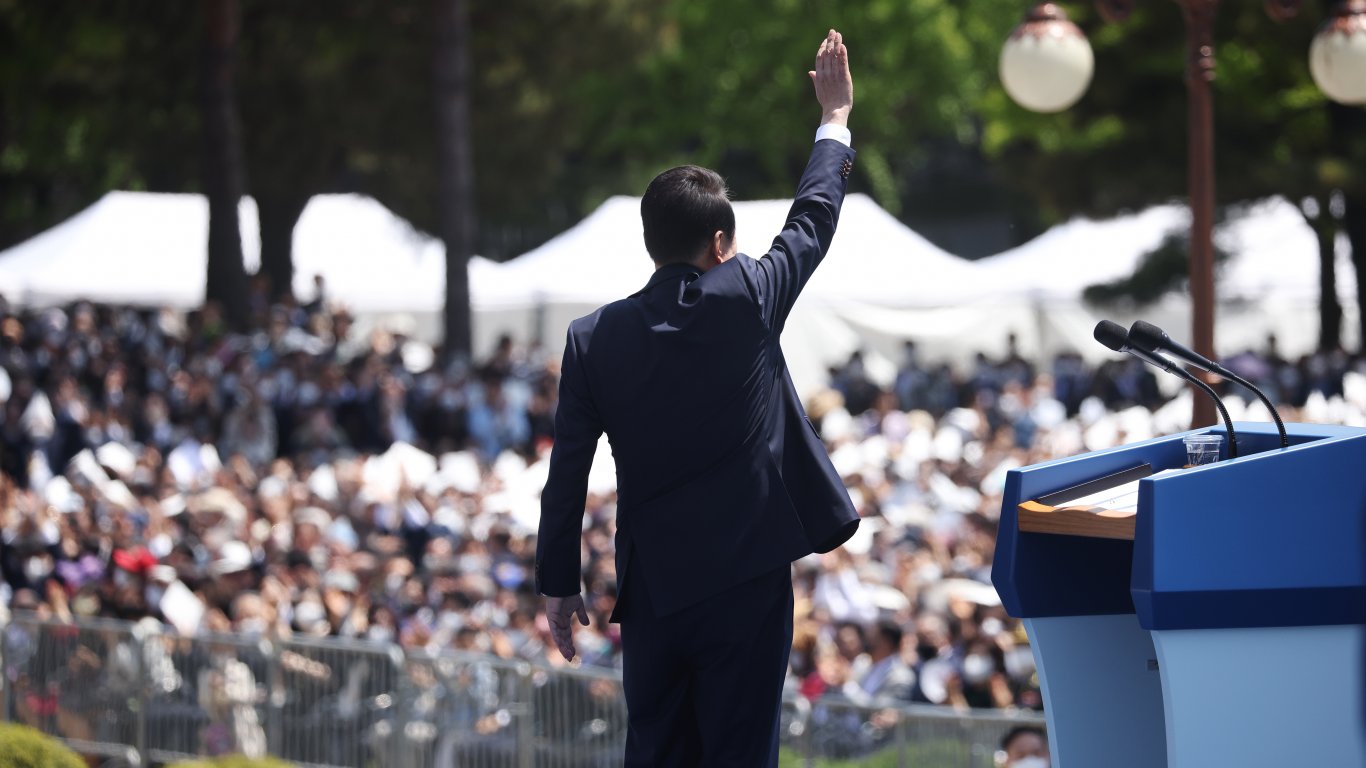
point(1269, 284)
point(881, 284)
point(875, 265)
point(1275, 254)
point(152, 249)
point(371, 259)
point(602, 258)
point(1062, 262)
point(128, 247)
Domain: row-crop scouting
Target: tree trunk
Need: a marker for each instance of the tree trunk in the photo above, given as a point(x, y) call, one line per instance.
point(1346, 126)
point(1330, 308)
point(224, 174)
point(1354, 223)
point(278, 215)
point(455, 167)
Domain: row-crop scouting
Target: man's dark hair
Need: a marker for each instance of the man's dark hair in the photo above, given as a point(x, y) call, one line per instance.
point(681, 210)
point(891, 632)
point(1020, 730)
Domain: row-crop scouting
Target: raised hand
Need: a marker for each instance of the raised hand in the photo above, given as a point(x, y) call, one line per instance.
point(834, 85)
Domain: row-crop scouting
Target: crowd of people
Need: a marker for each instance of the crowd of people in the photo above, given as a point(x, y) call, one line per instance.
point(305, 480)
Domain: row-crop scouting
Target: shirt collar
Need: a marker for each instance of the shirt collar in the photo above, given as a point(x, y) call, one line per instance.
point(669, 271)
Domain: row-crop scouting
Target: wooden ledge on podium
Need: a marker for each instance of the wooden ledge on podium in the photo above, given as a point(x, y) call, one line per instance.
point(1096, 522)
point(1103, 508)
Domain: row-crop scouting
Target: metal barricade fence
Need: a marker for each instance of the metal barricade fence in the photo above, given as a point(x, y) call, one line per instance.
point(137, 696)
point(835, 729)
point(495, 713)
point(81, 682)
point(337, 702)
point(202, 695)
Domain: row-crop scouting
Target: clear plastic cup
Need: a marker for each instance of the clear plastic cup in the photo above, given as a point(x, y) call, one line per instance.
point(1203, 449)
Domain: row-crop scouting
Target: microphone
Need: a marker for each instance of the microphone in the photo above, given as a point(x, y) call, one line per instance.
point(1150, 338)
point(1112, 335)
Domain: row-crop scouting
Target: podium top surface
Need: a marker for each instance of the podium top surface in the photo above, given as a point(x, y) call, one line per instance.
point(1273, 538)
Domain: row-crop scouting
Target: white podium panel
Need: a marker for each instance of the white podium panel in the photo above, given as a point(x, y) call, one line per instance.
point(1104, 696)
point(1263, 697)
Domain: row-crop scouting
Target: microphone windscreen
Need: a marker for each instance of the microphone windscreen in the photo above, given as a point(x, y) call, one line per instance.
point(1111, 334)
point(1146, 330)
point(1147, 336)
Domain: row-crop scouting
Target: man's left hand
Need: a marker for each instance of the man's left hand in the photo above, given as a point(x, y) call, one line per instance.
point(560, 613)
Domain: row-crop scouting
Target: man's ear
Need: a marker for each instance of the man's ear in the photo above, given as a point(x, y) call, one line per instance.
point(720, 247)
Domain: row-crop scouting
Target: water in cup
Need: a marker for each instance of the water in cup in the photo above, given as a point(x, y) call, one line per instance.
point(1203, 449)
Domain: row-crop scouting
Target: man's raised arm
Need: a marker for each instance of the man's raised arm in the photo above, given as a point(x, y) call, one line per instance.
point(810, 226)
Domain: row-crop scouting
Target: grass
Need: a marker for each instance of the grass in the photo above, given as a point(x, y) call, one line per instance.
point(929, 754)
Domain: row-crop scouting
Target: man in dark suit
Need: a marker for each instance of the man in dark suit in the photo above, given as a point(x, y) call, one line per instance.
point(721, 480)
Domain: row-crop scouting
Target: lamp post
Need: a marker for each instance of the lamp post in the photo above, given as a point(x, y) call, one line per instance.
point(1338, 63)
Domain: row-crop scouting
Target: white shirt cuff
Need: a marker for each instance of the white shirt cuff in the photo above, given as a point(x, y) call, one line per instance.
point(837, 132)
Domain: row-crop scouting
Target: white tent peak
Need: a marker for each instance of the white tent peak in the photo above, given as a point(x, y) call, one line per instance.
point(603, 258)
point(1062, 262)
point(371, 259)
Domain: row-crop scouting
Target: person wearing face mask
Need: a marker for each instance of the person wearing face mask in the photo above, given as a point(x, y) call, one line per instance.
point(1024, 746)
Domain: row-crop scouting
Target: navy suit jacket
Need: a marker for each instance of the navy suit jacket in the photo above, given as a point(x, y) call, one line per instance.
point(720, 476)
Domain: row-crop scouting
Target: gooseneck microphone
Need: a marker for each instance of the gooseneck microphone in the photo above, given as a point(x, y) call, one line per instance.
point(1150, 338)
point(1112, 335)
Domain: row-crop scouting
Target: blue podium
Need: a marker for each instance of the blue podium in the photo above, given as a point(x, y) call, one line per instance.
point(1219, 623)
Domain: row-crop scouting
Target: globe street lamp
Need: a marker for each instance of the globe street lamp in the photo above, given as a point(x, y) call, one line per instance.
point(1337, 57)
point(1046, 64)
point(1044, 69)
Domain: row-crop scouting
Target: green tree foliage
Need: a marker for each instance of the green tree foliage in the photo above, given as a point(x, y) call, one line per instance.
point(88, 104)
point(726, 86)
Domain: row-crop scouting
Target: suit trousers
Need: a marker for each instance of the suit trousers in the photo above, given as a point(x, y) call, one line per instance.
point(704, 685)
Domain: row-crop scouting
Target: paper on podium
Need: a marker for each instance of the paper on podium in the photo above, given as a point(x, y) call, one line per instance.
point(1122, 498)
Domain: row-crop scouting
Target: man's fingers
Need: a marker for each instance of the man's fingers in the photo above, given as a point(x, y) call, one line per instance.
point(564, 641)
point(559, 614)
point(829, 62)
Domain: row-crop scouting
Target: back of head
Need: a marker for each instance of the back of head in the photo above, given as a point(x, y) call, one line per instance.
point(1024, 745)
point(891, 633)
point(681, 210)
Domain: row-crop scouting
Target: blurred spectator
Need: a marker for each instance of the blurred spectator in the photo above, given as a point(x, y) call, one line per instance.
point(881, 676)
point(1024, 746)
